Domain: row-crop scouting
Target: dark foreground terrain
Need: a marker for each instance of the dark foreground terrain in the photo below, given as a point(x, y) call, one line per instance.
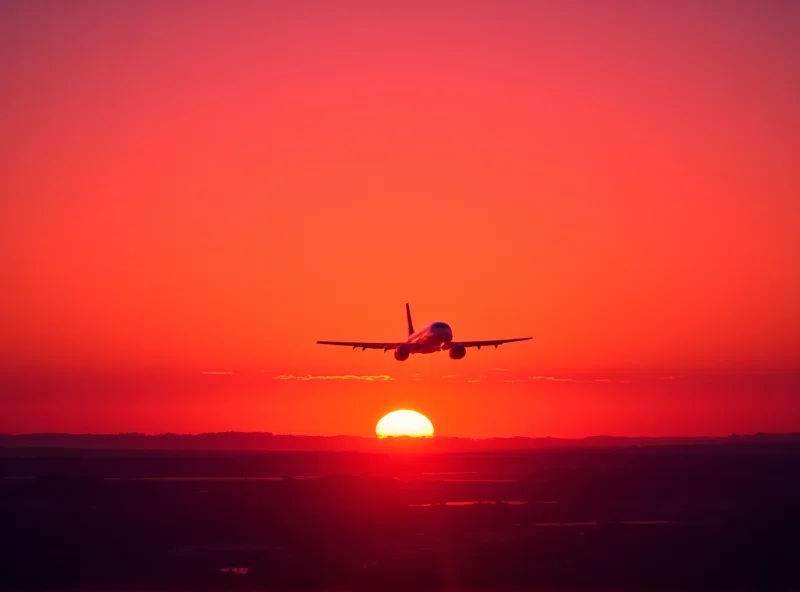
point(682, 517)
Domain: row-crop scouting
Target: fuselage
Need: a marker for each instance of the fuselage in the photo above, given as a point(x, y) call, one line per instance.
point(433, 337)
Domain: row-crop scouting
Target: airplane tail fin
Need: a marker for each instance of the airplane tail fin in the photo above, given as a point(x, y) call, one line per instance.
point(408, 318)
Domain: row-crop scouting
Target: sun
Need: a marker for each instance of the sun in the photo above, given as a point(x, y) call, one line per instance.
point(404, 422)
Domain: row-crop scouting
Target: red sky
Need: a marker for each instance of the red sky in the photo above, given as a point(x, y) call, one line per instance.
point(199, 186)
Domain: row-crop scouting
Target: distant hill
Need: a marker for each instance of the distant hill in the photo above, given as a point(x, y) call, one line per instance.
point(264, 441)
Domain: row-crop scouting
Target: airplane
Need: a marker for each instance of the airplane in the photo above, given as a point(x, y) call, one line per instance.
point(434, 337)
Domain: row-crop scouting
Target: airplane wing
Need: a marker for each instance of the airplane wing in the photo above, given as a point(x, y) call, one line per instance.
point(362, 345)
point(480, 344)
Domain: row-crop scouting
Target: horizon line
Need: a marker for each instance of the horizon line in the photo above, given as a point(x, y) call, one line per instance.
point(374, 437)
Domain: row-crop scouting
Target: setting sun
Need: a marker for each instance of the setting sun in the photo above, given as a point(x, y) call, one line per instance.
point(404, 422)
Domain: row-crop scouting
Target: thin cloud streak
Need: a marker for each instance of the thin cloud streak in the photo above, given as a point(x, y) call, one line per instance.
point(532, 378)
point(309, 377)
point(556, 379)
point(217, 372)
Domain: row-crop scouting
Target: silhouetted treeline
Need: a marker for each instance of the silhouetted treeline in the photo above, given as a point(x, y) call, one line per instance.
point(267, 441)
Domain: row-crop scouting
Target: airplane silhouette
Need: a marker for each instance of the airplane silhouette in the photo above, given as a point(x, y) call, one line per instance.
point(434, 337)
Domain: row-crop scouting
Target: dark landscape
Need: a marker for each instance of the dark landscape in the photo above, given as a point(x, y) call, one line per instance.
point(714, 514)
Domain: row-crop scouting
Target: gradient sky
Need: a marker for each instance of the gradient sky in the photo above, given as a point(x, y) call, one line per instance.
point(195, 187)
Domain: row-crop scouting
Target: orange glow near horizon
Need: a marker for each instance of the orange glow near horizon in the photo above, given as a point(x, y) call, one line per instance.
point(190, 199)
point(404, 422)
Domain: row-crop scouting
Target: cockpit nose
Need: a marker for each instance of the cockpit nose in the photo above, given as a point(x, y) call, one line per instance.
point(443, 330)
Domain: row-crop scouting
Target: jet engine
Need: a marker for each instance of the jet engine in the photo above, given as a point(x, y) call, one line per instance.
point(457, 352)
point(401, 353)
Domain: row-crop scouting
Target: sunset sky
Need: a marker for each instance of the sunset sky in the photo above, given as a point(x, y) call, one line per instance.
point(193, 193)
